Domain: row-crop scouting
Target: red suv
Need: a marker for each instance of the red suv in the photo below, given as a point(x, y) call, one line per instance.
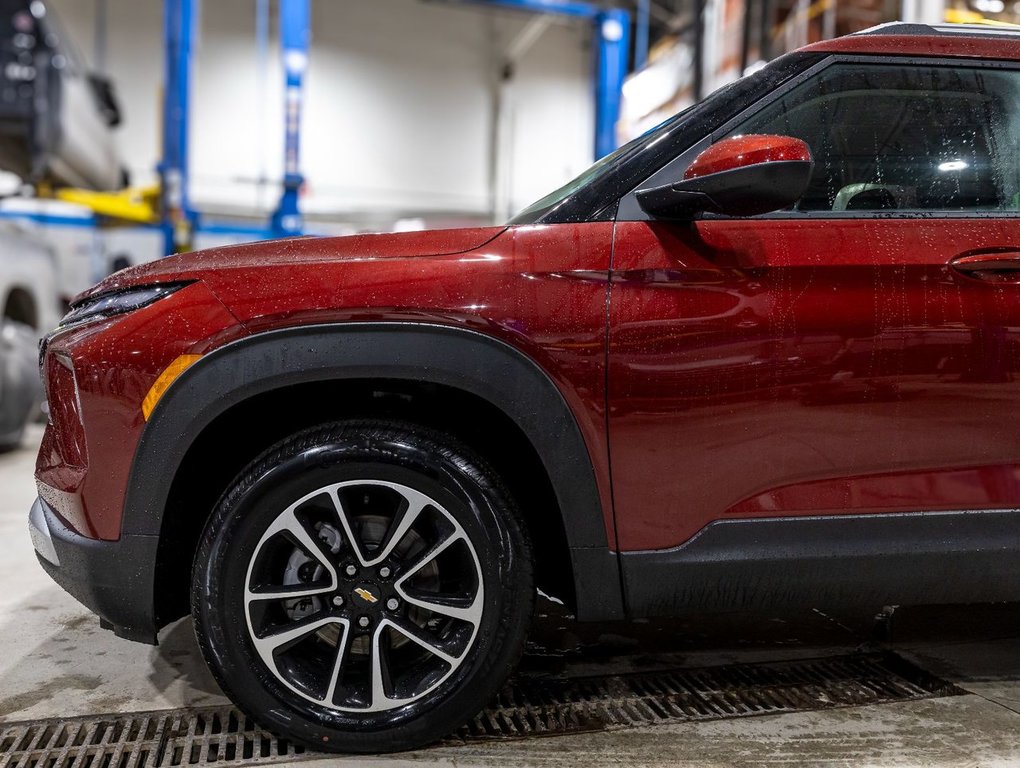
point(765, 354)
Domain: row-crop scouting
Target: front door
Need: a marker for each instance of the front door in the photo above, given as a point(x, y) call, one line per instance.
point(856, 355)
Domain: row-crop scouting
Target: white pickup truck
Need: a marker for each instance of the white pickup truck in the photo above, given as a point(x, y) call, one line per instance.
point(56, 116)
point(30, 308)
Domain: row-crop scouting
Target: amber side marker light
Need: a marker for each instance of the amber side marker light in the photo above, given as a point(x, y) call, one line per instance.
point(162, 384)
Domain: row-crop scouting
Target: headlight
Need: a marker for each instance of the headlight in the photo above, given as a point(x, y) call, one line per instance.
point(116, 303)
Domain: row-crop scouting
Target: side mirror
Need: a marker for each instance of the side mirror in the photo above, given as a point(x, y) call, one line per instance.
point(738, 176)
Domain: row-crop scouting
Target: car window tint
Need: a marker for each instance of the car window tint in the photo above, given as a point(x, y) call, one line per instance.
point(888, 138)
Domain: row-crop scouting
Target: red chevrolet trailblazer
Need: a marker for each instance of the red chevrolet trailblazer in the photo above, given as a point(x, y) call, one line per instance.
point(765, 354)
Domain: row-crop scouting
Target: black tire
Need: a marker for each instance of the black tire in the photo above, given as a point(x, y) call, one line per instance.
point(20, 386)
point(236, 556)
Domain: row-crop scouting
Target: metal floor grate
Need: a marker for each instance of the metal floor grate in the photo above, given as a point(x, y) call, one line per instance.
point(221, 735)
point(528, 707)
point(548, 707)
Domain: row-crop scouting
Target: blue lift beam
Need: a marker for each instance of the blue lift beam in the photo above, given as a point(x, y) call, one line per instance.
point(612, 35)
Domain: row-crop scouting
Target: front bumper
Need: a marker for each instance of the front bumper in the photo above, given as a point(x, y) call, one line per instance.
point(39, 529)
point(113, 579)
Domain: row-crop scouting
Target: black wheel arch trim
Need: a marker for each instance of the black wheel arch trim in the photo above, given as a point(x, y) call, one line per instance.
point(461, 358)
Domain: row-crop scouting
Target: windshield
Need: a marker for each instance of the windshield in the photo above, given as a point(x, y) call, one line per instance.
point(550, 201)
point(596, 191)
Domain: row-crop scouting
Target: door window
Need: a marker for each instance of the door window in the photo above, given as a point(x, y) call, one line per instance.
point(904, 137)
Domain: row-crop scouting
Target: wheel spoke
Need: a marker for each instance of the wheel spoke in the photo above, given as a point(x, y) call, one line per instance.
point(289, 523)
point(288, 592)
point(342, 647)
point(430, 555)
point(412, 632)
point(442, 605)
point(345, 523)
point(416, 502)
point(378, 687)
point(269, 645)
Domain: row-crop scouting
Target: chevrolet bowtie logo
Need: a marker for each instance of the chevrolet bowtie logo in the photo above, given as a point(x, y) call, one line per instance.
point(365, 595)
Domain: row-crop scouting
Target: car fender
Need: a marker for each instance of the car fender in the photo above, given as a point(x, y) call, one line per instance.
point(459, 358)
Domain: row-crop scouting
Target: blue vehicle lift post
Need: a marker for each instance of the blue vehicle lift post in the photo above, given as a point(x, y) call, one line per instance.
point(295, 35)
point(612, 35)
point(613, 32)
point(176, 218)
point(641, 24)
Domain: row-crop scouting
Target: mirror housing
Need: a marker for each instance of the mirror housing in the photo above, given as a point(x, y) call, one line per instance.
point(738, 176)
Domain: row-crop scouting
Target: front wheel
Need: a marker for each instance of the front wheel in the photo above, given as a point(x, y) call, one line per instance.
point(363, 587)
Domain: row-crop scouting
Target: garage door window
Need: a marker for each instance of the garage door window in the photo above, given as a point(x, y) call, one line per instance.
point(906, 138)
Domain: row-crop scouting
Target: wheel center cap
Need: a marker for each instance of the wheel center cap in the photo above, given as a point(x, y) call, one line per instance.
point(366, 595)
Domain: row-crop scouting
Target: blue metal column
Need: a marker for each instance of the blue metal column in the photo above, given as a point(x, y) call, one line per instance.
point(613, 36)
point(295, 34)
point(641, 33)
point(175, 215)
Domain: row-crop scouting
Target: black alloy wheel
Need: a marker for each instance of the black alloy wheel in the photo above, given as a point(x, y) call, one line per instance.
point(363, 587)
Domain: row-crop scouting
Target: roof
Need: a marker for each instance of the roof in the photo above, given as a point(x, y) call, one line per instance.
point(961, 30)
point(905, 39)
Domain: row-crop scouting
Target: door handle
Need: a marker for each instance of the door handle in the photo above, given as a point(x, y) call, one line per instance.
point(990, 265)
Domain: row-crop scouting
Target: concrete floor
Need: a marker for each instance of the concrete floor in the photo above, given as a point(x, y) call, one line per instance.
point(56, 661)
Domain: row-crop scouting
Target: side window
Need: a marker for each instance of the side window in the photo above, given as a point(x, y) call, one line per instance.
point(902, 137)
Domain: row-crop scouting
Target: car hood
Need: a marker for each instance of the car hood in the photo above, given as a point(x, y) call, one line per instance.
point(299, 250)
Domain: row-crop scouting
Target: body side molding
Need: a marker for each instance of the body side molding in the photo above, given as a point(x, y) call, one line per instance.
point(464, 359)
point(867, 560)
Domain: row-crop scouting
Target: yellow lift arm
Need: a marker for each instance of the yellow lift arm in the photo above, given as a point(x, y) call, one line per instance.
point(134, 205)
